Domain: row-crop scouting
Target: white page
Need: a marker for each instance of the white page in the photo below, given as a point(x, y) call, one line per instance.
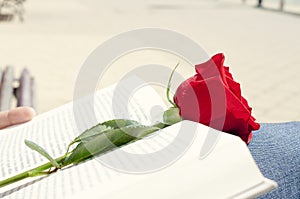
point(53, 131)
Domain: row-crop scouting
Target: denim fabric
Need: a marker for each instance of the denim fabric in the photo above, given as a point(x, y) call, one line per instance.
point(276, 150)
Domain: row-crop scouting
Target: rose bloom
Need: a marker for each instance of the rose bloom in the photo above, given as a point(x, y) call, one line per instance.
point(213, 98)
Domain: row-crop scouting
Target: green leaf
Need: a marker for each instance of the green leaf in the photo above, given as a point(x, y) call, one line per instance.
point(41, 151)
point(106, 141)
point(119, 123)
point(100, 128)
point(91, 132)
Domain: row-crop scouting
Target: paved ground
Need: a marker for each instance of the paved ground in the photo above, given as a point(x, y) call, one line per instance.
point(262, 47)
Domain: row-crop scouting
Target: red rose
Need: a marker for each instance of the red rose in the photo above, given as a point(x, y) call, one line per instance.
point(213, 98)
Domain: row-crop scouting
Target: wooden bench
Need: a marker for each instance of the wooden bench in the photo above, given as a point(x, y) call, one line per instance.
point(16, 92)
point(10, 8)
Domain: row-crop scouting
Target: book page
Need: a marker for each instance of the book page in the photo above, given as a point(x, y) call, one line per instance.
point(55, 129)
point(228, 172)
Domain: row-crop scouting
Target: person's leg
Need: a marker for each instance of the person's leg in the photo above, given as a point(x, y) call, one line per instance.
point(276, 150)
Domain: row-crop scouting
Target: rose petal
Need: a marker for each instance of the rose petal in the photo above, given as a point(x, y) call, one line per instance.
point(211, 68)
point(234, 87)
point(227, 73)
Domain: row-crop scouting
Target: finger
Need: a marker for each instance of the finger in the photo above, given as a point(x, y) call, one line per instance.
point(16, 116)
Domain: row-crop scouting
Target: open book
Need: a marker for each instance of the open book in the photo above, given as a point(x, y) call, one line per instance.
point(229, 171)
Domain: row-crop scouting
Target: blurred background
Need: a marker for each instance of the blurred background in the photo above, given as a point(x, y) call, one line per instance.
point(52, 38)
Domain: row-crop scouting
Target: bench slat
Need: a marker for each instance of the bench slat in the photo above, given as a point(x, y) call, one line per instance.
point(33, 93)
point(24, 91)
point(6, 89)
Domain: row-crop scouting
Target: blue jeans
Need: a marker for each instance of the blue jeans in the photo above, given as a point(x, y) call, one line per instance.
point(276, 150)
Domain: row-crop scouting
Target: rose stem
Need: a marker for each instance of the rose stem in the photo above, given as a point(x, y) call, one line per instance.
point(31, 173)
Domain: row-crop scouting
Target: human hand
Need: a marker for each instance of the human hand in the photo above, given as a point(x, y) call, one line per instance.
point(16, 116)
